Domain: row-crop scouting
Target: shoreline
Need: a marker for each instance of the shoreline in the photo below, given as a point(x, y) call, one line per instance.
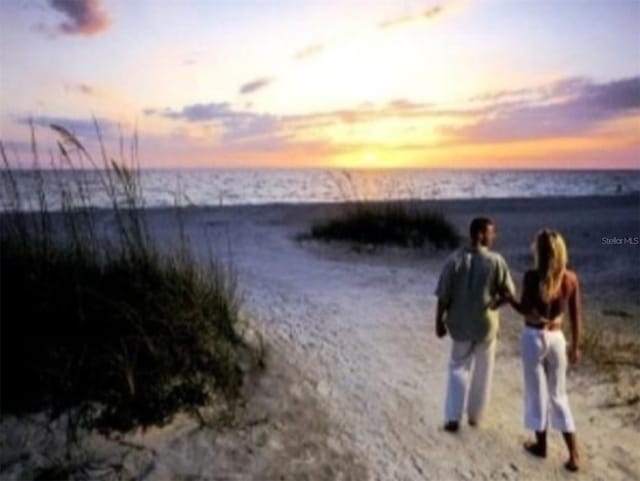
point(626, 198)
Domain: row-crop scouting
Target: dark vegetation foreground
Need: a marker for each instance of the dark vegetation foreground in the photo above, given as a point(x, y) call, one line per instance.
point(114, 331)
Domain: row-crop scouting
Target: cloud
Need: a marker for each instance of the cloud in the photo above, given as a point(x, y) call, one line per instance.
point(309, 51)
point(238, 131)
point(315, 49)
point(619, 95)
point(83, 17)
point(395, 109)
point(81, 88)
point(196, 112)
point(237, 125)
point(566, 86)
point(240, 124)
point(566, 108)
point(78, 127)
point(426, 14)
point(255, 85)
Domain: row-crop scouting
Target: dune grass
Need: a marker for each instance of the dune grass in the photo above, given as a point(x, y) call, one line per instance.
point(402, 224)
point(363, 222)
point(610, 348)
point(108, 327)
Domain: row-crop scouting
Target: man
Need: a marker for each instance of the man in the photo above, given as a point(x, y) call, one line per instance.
point(472, 281)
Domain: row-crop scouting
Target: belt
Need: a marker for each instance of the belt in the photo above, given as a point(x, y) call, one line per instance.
point(549, 326)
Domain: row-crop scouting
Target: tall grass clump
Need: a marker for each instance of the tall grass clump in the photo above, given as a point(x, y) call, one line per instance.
point(102, 323)
point(400, 223)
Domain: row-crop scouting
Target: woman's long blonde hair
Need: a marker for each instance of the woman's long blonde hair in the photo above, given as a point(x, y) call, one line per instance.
point(550, 253)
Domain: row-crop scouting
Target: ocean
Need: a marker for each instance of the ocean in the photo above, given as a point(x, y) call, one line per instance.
point(215, 187)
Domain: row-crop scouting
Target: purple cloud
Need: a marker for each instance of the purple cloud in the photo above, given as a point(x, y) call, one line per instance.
point(84, 17)
point(618, 95)
point(569, 107)
point(78, 127)
point(196, 112)
point(238, 125)
point(254, 85)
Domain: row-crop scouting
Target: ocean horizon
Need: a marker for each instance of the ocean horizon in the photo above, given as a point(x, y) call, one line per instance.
point(236, 186)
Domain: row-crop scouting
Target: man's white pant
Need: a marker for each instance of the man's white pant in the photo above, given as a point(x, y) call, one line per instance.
point(470, 363)
point(544, 362)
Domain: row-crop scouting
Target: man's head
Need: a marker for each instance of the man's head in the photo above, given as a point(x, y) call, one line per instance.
point(482, 231)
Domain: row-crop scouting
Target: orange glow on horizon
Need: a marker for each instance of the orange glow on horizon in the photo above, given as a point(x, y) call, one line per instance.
point(544, 153)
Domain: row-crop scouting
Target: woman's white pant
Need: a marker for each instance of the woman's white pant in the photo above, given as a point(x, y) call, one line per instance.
point(544, 362)
point(469, 363)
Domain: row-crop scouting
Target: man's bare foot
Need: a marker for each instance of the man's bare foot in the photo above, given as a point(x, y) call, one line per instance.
point(535, 449)
point(451, 426)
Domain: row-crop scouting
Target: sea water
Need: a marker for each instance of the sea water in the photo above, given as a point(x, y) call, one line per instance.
point(215, 187)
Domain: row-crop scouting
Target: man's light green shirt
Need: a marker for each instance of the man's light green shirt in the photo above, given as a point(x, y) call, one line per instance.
point(470, 279)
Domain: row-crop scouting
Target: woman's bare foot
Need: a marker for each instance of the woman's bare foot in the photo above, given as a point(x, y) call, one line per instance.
point(573, 464)
point(539, 446)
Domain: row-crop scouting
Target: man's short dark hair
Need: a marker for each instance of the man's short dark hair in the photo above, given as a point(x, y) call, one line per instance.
point(478, 225)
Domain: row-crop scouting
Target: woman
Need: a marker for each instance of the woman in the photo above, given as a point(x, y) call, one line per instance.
point(547, 290)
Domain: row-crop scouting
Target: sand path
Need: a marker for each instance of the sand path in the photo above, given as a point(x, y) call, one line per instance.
point(363, 331)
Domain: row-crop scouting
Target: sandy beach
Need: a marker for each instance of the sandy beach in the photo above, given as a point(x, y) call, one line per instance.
point(355, 379)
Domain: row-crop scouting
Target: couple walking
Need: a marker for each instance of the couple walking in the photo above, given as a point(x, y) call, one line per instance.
point(474, 283)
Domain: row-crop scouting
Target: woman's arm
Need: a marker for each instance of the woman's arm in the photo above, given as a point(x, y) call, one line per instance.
point(525, 306)
point(575, 318)
point(517, 305)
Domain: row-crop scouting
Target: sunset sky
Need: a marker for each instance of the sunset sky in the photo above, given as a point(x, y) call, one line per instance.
point(363, 84)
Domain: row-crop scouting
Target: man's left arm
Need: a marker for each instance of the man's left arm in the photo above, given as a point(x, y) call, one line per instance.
point(441, 328)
